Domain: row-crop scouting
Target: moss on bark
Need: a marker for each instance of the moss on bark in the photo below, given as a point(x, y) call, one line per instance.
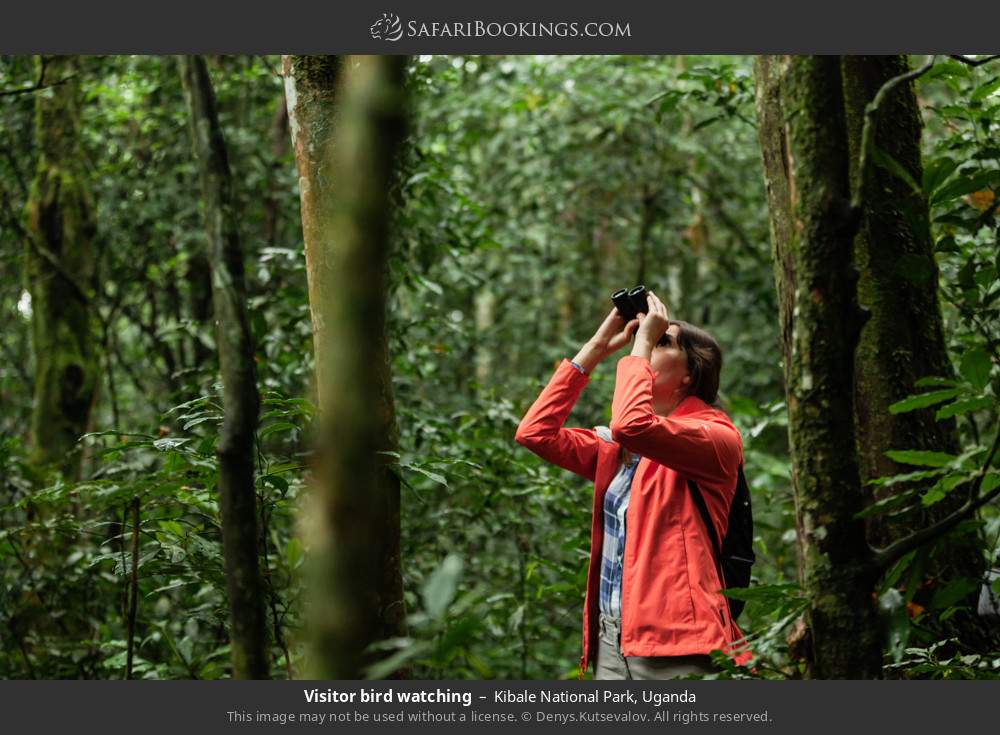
point(60, 266)
point(804, 146)
point(903, 340)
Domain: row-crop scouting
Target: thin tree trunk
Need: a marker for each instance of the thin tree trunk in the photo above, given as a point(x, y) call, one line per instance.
point(239, 381)
point(60, 262)
point(311, 99)
point(344, 183)
point(133, 588)
point(804, 145)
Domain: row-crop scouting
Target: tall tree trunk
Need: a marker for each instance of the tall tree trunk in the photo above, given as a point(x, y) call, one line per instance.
point(344, 184)
point(904, 339)
point(60, 262)
point(311, 99)
point(239, 381)
point(804, 145)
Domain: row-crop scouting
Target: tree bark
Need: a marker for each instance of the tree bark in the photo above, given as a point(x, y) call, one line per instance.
point(345, 161)
point(239, 381)
point(60, 262)
point(313, 117)
point(904, 339)
point(804, 145)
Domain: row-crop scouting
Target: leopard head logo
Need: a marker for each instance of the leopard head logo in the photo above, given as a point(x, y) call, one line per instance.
point(387, 28)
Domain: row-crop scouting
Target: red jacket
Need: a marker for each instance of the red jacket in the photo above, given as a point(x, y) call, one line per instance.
point(670, 600)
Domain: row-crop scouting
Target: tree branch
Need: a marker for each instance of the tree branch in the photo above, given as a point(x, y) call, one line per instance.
point(38, 85)
point(885, 557)
point(973, 62)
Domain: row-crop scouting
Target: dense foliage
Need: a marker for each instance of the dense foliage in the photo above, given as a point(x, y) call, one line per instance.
point(529, 189)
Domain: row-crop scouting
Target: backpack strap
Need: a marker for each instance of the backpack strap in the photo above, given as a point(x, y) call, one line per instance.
point(699, 501)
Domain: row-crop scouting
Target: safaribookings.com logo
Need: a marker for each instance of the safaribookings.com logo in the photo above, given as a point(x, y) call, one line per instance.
point(390, 28)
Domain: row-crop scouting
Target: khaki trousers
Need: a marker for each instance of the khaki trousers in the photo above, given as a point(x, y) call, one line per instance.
point(611, 664)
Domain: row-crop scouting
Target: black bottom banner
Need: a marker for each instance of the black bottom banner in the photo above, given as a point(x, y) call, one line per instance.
point(427, 706)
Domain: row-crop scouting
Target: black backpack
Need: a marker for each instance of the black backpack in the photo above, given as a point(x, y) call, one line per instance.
point(734, 556)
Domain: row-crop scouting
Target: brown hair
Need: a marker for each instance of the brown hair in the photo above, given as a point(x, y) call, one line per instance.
point(704, 361)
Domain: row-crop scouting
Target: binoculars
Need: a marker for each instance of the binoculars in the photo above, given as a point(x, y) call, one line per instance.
point(630, 302)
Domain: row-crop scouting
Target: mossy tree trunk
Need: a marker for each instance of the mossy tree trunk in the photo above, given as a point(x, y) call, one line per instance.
point(804, 145)
point(239, 380)
point(904, 339)
point(345, 163)
point(60, 264)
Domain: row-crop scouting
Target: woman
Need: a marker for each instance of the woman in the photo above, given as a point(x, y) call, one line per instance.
point(652, 608)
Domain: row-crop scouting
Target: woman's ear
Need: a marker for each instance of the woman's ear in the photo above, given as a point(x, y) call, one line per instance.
point(686, 379)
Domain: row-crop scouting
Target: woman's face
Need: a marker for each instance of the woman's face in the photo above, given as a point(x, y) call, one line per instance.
point(670, 363)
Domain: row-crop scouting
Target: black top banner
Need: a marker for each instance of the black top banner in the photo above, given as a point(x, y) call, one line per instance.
point(513, 26)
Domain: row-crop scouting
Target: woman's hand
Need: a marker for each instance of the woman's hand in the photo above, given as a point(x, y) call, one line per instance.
point(611, 336)
point(651, 326)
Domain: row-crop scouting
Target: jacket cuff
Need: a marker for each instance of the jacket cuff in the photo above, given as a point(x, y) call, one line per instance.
point(571, 372)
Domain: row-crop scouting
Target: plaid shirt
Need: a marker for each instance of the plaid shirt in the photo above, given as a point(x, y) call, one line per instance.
point(615, 505)
point(613, 552)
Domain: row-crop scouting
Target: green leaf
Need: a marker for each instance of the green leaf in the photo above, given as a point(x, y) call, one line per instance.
point(897, 571)
point(383, 668)
point(975, 367)
point(202, 419)
point(763, 592)
point(934, 380)
point(937, 172)
point(941, 489)
point(440, 588)
point(960, 187)
point(954, 591)
point(276, 427)
point(921, 458)
point(990, 482)
point(964, 405)
point(169, 443)
point(440, 479)
point(172, 527)
point(294, 553)
point(278, 482)
point(923, 400)
point(985, 90)
point(890, 503)
point(907, 477)
point(890, 164)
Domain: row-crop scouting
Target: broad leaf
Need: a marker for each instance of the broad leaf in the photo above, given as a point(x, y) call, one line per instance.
point(923, 400)
point(964, 405)
point(975, 367)
point(921, 458)
point(440, 588)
